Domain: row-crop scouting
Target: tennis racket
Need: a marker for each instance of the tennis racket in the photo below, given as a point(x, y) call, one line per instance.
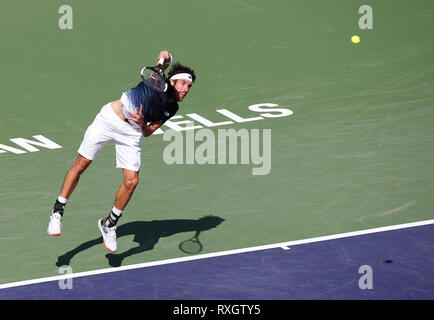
point(154, 77)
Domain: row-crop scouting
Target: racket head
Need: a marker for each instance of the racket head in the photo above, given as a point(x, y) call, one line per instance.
point(154, 78)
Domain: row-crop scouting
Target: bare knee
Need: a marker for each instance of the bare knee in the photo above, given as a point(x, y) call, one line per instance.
point(131, 181)
point(80, 164)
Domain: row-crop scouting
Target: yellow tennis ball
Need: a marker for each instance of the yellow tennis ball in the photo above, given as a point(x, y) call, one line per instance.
point(355, 39)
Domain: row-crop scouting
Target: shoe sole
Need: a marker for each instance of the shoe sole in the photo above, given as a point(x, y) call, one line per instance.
point(102, 232)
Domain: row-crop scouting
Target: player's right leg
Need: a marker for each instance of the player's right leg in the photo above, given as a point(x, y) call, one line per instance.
point(73, 175)
point(69, 183)
point(96, 136)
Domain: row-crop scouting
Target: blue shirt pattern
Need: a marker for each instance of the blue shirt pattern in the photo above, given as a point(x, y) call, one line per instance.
point(155, 104)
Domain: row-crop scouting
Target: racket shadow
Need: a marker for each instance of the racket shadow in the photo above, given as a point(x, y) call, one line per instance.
point(146, 234)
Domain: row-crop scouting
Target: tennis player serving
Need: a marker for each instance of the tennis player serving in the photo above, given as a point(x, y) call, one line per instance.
point(137, 114)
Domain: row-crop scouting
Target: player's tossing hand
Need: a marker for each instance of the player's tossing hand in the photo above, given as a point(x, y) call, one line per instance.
point(147, 129)
point(137, 116)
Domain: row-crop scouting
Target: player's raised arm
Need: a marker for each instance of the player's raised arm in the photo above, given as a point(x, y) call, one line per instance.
point(167, 58)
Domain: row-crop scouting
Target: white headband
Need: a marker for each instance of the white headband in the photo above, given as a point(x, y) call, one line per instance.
point(184, 76)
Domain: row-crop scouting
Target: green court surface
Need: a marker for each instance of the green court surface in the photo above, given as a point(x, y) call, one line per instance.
point(356, 153)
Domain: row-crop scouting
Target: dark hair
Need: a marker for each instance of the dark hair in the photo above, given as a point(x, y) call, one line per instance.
point(179, 68)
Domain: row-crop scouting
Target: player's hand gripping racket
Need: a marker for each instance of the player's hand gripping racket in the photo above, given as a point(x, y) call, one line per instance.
point(154, 77)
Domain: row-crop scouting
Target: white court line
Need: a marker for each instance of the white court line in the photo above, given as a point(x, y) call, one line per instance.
point(218, 254)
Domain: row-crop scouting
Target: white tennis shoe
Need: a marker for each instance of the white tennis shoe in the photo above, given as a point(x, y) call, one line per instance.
point(55, 224)
point(108, 236)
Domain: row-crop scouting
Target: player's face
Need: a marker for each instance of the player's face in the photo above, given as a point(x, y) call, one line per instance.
point(182, 87)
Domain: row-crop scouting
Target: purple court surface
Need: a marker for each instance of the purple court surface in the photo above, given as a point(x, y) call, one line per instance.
point(395, 264)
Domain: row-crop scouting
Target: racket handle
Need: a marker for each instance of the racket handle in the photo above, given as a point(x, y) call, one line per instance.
point(160, 62)
point(141, 71)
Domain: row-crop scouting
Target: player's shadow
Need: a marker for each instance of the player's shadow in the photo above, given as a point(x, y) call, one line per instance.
point(146, 234)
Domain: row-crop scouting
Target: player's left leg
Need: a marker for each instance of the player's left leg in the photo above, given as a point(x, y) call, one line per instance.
point(107, 225)
point(128, 158)
point(125, 191)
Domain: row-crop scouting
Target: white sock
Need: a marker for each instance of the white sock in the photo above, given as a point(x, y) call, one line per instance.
point(62, 199)
point(116, 211)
